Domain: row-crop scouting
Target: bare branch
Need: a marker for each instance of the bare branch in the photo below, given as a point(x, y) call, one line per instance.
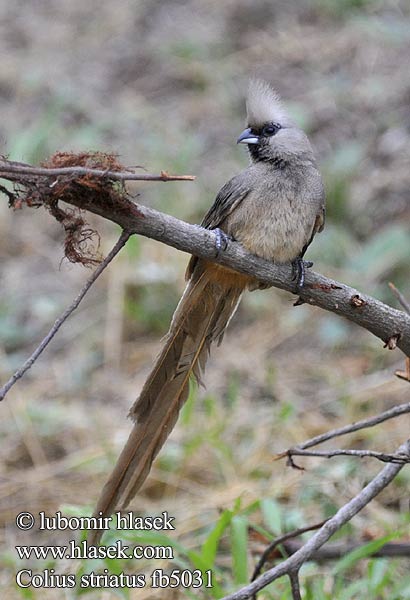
point(267, 553)
point(390, 325)
point(8, 168)
point(295, 585)
point(59, 322)
point(288, 546)
point(392, 413)
point(383, 321)
point(339, 549)
point(393, 458)
point(343, 515)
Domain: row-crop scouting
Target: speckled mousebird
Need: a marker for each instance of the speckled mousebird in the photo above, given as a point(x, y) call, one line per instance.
point(273, 208)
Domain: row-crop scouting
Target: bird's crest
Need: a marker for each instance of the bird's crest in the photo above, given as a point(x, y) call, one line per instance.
point(263, 105)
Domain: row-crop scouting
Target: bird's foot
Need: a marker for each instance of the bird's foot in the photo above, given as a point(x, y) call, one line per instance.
point(221, 241)
point(299, 267)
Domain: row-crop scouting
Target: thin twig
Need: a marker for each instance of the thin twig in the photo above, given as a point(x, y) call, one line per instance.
point(295, 585)
point(59, 322)
point(8, 167)
point(339, 549)
point(393, 458)
point(392, 413)
point(343, 515)
point(405, 304)
point(280, 540)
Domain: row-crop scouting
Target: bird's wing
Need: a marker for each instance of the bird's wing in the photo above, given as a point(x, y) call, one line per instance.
point(227, 200)
point(317, 228)
point(320, 220)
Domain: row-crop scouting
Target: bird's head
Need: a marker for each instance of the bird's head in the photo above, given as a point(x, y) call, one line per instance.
point(271, 134)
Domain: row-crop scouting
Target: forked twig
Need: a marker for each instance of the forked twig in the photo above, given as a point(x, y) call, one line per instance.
point(280, 540)
point(343, 515)
point(391, 413)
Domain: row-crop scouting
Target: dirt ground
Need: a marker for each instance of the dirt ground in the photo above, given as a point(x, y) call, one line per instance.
point(162, 84)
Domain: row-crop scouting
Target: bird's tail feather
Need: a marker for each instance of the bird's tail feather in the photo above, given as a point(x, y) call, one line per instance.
point(200, 318)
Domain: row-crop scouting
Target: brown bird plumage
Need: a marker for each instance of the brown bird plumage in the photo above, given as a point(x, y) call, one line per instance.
point(273, 208)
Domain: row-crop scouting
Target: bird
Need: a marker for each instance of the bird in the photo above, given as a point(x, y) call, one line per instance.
point(274, 208)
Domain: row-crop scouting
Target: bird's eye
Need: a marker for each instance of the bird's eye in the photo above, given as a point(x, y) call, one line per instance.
point(271, 129)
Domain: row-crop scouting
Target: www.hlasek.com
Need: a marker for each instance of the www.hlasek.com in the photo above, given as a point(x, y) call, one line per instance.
point(50, 578)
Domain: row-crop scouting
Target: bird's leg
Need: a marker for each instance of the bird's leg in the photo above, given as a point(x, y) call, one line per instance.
point(298, 271)
point(221, 240)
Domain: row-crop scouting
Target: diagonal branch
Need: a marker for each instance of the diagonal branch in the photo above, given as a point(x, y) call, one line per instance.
point(292, 564)
point(390, 325)
point(70, 309)
point(268, 551)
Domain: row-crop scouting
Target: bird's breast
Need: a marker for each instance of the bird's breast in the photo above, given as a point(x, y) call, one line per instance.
point(275, 227)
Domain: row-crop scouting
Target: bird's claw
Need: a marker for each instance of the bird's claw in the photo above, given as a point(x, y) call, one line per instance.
point(299, 267)
point(221, 240)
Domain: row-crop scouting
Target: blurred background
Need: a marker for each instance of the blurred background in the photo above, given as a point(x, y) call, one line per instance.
point(162, 84)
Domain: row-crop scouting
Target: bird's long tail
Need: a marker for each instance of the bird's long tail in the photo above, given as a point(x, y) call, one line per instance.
point(209, 301)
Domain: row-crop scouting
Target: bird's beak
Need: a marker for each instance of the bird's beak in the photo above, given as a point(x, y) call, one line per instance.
point(247, 137)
